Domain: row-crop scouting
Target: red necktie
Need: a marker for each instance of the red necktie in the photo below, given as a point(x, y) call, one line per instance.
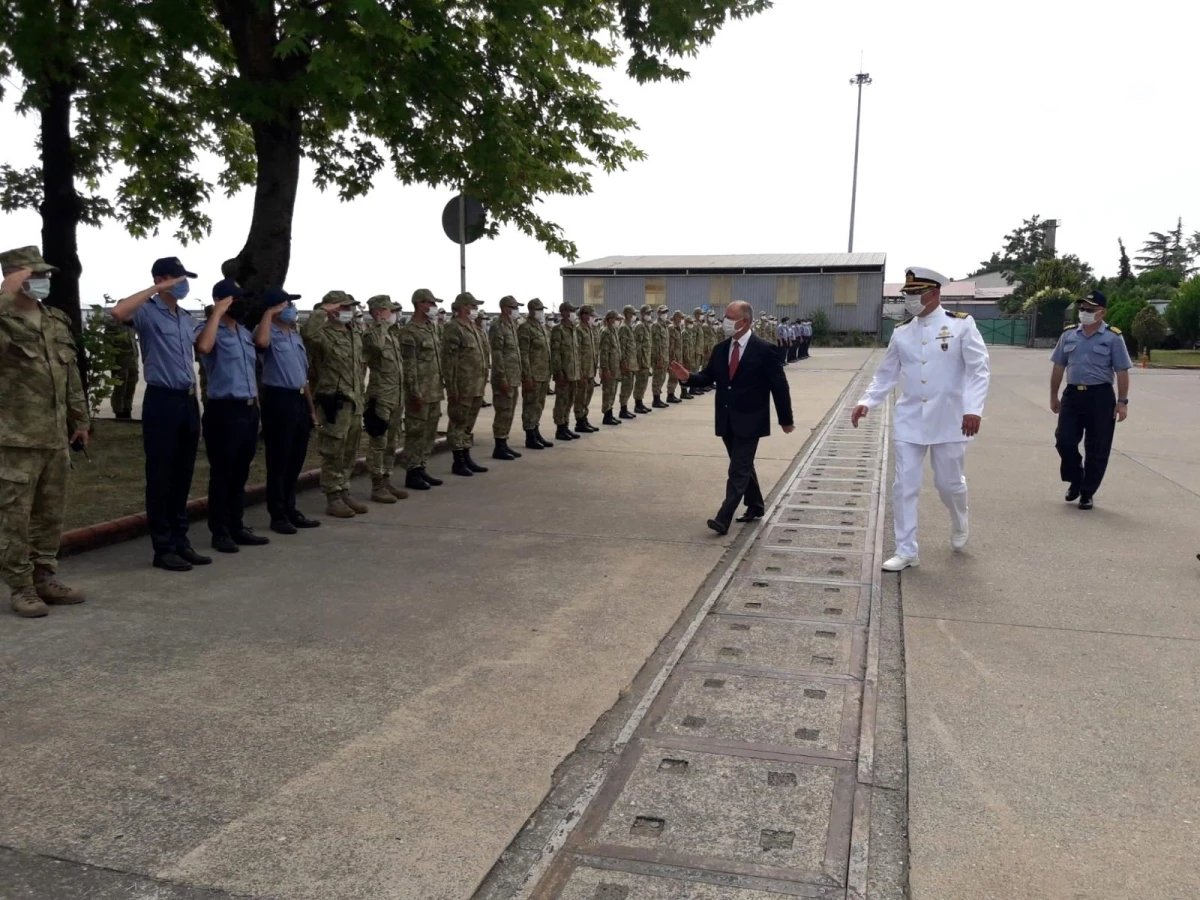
point(734, 359)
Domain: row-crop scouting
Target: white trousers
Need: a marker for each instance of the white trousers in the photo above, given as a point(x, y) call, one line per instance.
point(947, 461)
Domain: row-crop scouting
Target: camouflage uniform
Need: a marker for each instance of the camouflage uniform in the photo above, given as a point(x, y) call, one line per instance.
point(506, 373)
point(609, 360)
point(422, 354)
point(660, 347)
point(629, 360)
point(534, 344)
point(465, 374)
point(641, 346)
point(125, 366)
point(586, 344)
point(41, 404)
point(385, 398)
point(675, 342)
point(564, 363)
point(338, 396)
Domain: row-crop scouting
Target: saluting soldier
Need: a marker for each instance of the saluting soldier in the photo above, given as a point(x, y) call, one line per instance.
point(609, 361)
point(506, 376)
point(941, 363)
point(1090, 354)
point(43, 410)
point(564, 364)
point(660, 348)
point(641, 343)
point(464, 367)
point(421, 353)
point(533, 340)
point(629, 360)
point(586, 338)
point(335, 342)
point(383, 418)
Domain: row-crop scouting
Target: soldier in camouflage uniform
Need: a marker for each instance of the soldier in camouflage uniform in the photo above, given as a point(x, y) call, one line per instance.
point(42, 410)
point(564, 365)
point(534, 343)
point(335, 343)
point(660, 348)
point(481, 322)
point(124, 372)
point(675, 339)
point(629, 363)
point(506, 376)
point(691, 339)
point(384, 415)
point(609, 361)
point(704, 344)
point(465, 371)
point(641, 346)
point(423, 390)
point(586, 343)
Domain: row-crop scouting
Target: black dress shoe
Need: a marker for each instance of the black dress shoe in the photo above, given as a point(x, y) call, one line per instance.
point(282, 526)
point(187, 554)
point(223, 543)
point(1072, 493)
point(1085, 501)
point(247, 538)
point(172, 562)
point(300, 520)
point(751, 515)
point(718, 526)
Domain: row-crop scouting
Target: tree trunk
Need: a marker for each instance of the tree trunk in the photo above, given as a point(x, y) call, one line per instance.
point(61, 206)
point(263, 261)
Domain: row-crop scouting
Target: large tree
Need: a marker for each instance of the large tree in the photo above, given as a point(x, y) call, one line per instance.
point(1183, 313)
point(1124, 269)
point(1165, 250)
point(495, 97)
point(111, 87)
point(1023, 246)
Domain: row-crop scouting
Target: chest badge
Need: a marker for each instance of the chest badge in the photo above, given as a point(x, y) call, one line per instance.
point(944, 336)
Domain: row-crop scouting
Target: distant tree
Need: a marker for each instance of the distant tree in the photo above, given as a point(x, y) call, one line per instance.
point(1023, 246)
point(1165, 250)
point(820, 325)
point(1122, 311)
point(1124, 270)
point(1068, 273)
point(1193, 247)
point(1183, 313)
point(1148, 329)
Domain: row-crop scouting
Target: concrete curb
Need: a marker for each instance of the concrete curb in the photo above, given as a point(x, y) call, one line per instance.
point(126, 528)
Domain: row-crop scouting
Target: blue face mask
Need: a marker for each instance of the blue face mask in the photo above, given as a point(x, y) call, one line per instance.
point(288, 315)
point(181, 290)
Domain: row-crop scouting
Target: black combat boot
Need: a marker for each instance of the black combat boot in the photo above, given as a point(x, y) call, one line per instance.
point(671, 398)
point(460, 466)
point(531, 439)
point(658, 404)
point(610, 419)
point(503, 451)
point(684, 393)
point(471, 464)
point(585, 426)
point(641, 407)
point(563, 433)
point(430, 480)
point(537, 432)
point(414, 479)
point(626, 414)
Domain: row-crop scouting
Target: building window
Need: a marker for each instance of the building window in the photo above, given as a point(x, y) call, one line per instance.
point(787, 290)
point(845, 290)
point(656, 292)
point(593, 292)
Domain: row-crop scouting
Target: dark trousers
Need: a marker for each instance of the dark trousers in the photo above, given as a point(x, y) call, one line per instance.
point(230, 439)
point(804, 347)
point(170, 436)
point(1087, 415)
point(287, 426)
point(742, 480)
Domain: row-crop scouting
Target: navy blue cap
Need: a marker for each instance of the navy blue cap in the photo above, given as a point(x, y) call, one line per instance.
point(277, 296)
point(1095, 298)
point(171, 267)
point(227, 287)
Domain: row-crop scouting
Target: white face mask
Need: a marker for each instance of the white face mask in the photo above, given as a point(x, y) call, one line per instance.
point(345, 317)
point(568, 317)
point(729, 327)
point(538, 315)
point(1088, 318)
point(390, 319)
point(914, 304)
point(37, 288)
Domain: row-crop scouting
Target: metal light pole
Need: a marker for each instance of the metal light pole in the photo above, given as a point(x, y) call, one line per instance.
point(860, 79)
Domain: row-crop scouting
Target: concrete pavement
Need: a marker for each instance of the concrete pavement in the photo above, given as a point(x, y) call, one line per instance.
point(1053, 686)
point(368, 710)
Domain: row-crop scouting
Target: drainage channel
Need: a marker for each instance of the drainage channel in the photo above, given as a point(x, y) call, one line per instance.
point(745, 773)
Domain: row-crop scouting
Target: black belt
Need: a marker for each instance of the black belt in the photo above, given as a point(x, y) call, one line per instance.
point(231, 401)
point(286, 390)
point(1085, 387)
point(178, 392)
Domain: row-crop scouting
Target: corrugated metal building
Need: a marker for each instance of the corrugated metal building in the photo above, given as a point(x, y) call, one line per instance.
point(847, 287)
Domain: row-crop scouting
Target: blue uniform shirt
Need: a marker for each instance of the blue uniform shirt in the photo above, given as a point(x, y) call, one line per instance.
point(230, 365)
point(1091, 360)
point(285, 362)
point(168, 345)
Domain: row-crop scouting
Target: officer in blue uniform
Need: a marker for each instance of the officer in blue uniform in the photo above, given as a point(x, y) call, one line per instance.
point(230, 421)
point(1090, 354)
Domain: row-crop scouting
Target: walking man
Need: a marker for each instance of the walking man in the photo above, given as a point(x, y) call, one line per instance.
point(940, 361)
point(506, 376)
point(564, 363)
point(465, 369)
point(421, 351)
point(383, 418)
point(533, 341)
point(1090, 354)
point(43, 410)
point(629, 360)
point(609, 359)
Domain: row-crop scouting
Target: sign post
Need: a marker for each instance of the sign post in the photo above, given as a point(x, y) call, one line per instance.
point(463, 221)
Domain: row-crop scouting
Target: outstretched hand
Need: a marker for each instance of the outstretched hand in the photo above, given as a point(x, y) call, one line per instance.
point(679, 370)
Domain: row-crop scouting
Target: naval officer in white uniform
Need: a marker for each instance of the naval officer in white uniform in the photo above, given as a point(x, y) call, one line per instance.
point(940, 362)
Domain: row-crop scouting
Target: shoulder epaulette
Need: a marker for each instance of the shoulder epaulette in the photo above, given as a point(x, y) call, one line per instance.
point(958, 314)
point(905, 322)
point(1068, 328)
point(1114, 329)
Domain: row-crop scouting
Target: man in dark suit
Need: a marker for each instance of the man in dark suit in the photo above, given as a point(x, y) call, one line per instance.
point(747, 373)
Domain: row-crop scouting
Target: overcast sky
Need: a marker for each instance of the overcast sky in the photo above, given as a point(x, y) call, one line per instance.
point(979, 116)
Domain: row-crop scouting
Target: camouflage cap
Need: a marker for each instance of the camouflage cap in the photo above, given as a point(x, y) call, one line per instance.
point(382, 301)
point(663, 309)
point(509, 302)
point(678, 314)
point(697, 311)
point(535, 303)
point(646, 308)
point(464, 299)
point(26, 258)
point(629, 311)
point(567, 306)
point(423, 295)
point(613, 314)
point(587, 308)
point(338, 298)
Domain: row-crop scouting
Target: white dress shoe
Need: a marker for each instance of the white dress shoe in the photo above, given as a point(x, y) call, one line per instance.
point(958, 539)
point(897, 563)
